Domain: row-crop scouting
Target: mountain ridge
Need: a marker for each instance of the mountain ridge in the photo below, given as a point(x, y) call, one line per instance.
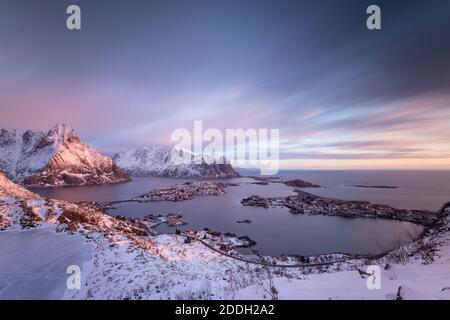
point(158, 161)
point(56, 158)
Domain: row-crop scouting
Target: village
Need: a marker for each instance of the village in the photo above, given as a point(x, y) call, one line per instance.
point(307, 203)
point(183, 192)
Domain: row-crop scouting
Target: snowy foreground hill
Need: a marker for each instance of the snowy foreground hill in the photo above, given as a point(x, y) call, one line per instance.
point(158, 161)
point(55, 158)
point(129, 260)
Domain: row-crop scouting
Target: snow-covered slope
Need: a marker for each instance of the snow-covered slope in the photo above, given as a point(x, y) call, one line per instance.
point(58, 158)
point(130, 261)
point(18, 206)
point(21, 208)
point(158, 161)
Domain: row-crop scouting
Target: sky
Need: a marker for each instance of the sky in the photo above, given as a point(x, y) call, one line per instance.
point(342, 96)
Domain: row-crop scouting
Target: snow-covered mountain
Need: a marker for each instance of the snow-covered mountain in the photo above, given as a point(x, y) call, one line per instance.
point(158, 161)
point(123, 254)
point(56, 158)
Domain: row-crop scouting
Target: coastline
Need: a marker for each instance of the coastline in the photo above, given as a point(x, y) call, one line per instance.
point(120, 243)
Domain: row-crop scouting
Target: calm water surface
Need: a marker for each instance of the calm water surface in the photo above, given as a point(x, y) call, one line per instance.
point(427, 190)
point(276, 230)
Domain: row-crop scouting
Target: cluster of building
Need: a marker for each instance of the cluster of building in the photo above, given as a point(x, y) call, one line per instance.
point(306, 203)
point(182, 192)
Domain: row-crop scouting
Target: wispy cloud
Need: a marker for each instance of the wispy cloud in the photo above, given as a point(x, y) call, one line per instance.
point(308, 68)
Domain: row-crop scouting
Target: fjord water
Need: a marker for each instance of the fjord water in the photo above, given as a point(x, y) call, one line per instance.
point(277, 231)
point(427, 190)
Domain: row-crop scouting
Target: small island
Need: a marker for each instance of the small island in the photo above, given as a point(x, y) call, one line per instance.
point(183, 192)
point(373, 187)
point(307, 203)
point(298, 183)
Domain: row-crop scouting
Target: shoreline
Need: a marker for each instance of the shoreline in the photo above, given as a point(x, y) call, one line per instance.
point(133, 244)
point(311, 204)
point(426, 219)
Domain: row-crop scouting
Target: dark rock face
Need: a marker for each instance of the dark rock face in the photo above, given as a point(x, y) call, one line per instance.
point(298, 183)
point(6, 138)
point(216, 170)
point(120, 174)
point(67, 175)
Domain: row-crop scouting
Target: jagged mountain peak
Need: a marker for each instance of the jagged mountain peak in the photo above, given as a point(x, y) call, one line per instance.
point(63, 132)
point(57, 158)
point(59, 137)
